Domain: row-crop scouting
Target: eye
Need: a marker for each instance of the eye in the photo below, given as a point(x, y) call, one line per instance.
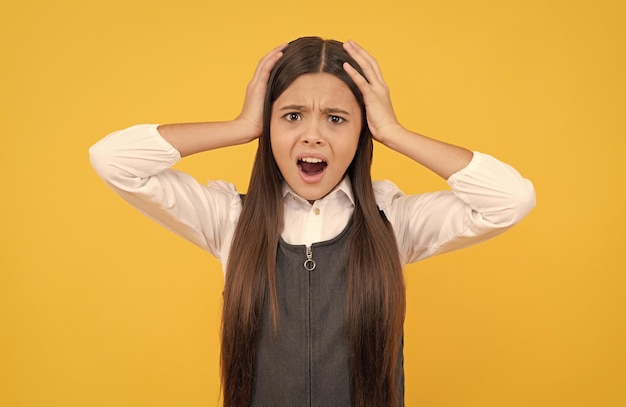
point(293, 116)
point(335, 119)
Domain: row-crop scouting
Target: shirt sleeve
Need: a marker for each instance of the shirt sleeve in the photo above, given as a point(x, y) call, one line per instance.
point(487, 198)
point(136, 162)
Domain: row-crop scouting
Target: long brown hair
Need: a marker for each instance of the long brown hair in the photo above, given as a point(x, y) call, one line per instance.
point(376, 295)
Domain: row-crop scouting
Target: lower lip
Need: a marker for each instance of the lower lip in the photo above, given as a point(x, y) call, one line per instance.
point(312, 178)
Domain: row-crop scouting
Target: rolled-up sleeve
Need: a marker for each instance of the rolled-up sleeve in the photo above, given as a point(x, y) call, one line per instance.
point(136, 162)
point(487, 198)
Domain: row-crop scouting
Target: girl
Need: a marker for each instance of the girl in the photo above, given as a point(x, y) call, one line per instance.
point(314, 298)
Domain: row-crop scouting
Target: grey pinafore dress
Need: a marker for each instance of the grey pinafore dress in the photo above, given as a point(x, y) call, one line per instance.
point(308, 363)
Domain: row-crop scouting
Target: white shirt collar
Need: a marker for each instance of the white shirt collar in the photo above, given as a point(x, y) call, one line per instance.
point(345, 187)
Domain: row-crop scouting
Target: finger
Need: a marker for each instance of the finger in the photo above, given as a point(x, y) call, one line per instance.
point(356, 76)
point(370, 60)
point(266, 63)
point(367, 62)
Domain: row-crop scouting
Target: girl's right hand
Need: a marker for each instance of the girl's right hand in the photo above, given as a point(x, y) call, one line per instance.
point(191, 138)
point(251, 116)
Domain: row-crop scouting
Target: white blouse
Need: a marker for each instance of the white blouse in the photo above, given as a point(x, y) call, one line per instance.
point(487, 198)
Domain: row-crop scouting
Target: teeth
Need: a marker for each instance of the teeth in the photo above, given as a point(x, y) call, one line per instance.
point(311, 160)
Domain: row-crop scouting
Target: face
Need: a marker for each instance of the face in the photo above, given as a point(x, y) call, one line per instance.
point(314, 129)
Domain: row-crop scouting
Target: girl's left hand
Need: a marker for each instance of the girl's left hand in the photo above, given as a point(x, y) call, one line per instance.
point(381, 117)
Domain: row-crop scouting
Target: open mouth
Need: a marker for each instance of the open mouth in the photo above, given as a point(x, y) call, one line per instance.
point(311, 165)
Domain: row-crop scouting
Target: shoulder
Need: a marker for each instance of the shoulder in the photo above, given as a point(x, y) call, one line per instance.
point(385, 192)
point(230, 199)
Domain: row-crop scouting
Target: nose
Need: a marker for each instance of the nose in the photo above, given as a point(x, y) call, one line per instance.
point(312, 135)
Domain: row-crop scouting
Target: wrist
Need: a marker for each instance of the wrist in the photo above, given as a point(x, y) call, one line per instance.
point(387, 135)
point(246, 130)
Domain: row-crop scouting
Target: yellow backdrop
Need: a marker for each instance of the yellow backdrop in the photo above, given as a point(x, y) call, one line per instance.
point(101, 307)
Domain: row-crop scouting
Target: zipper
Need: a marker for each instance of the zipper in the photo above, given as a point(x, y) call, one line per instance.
point(309, 263)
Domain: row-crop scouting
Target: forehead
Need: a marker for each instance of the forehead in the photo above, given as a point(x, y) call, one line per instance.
point(318, 88)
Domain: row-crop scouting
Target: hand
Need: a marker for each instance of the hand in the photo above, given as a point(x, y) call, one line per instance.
point(381, 117)
point(251, 116)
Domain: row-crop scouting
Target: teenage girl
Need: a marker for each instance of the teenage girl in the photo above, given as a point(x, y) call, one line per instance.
point(314, 298)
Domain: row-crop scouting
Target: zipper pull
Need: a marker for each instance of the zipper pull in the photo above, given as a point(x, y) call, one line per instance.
point(309, 263)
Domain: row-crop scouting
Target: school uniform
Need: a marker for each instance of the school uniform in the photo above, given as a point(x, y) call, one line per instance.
point(310, 360)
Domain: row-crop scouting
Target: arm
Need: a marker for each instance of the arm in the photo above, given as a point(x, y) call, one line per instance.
point(136, 162)
point(487, 197)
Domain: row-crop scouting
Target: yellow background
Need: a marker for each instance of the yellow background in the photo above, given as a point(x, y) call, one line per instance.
point(101, 307)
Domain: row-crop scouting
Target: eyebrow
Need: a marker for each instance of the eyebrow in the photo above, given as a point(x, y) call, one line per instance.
point(328, 110)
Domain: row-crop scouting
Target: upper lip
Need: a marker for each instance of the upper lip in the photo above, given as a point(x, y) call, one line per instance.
point(311, 155)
